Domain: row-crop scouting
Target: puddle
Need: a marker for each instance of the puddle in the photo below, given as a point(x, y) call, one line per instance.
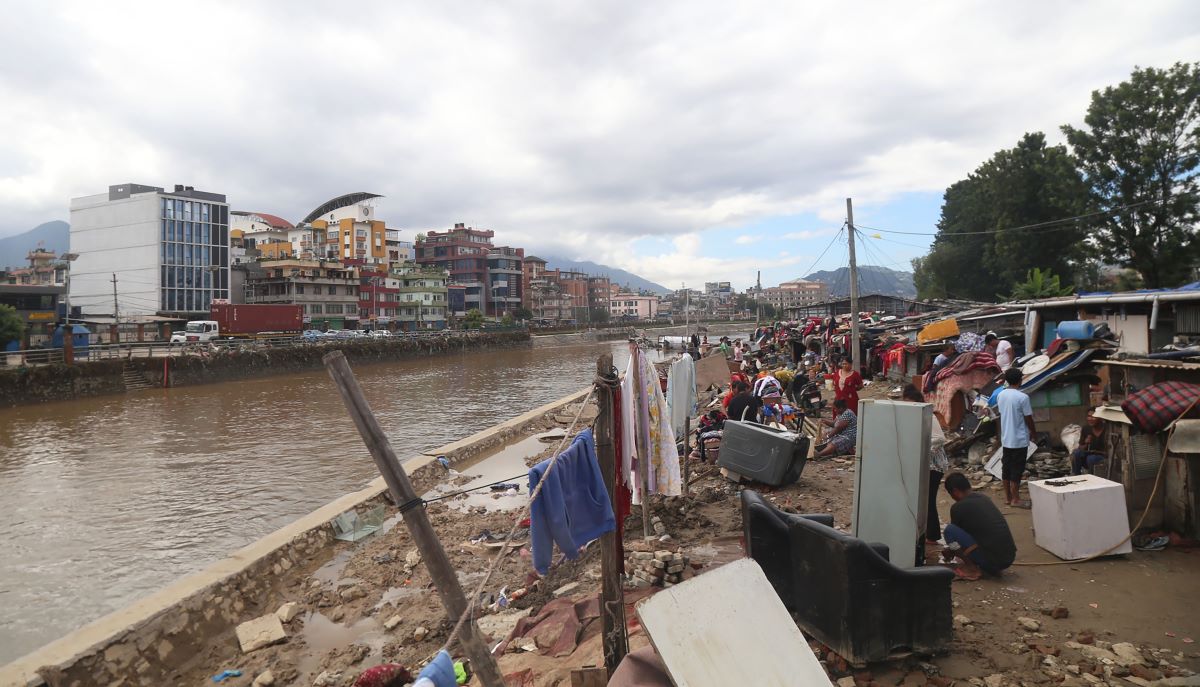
point(331, 571)
point(508, 464)
point(321, 635)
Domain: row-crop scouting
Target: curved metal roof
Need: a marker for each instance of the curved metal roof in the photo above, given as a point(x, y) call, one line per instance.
point(273, 220)
point(339, 202)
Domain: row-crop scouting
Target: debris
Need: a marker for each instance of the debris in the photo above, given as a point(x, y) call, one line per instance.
point(328, 678)
point(264, 679)
point(392, 622)
point(962, 620)
point(1059, 612)
point(225, 675)
point(259, 632)
point(1094, 605)
point(566, 589)
point(413, 559)
point(1029, 624)
point(994, 680)
point(352, 592)
point(288, 611)
point(1127, 654)
point(1085, 638)
point(846, 682)
point(419, 633)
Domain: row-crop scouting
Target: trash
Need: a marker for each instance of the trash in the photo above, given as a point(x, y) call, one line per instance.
point(444, 463)
point(1094, 605)
point(351, 526)
point(225, 675)
point(506, 487)
point(1029, 624)
point(1188, 640)
point(1149, 542)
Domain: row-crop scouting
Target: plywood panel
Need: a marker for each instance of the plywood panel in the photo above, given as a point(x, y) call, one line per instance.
point(729, 627)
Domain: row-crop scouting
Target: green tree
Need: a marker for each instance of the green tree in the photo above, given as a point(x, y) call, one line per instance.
point(980, 249)
point(599, 315)
point(508, 320)
point(11, 325)
point(524, 314)
point(1040, 284)
point(1141, 147)
point(473, 319)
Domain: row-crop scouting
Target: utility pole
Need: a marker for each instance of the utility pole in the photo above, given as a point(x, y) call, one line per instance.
point(856, 353)
point(116, 314)
point(757, 305)
point(687, 326)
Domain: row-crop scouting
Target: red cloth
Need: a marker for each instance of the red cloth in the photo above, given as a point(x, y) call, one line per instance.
point(848, 390)
point(1158, 405)
point(383, 674)
point(967, 362)
point(624, 497)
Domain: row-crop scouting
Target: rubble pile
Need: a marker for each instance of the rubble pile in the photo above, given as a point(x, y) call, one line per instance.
point(1048, 464)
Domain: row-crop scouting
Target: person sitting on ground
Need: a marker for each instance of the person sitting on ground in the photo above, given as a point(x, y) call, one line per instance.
point(843, 431)
point(744, 406)
point(1091, 446)
point(984, 541)
point(1016, 430)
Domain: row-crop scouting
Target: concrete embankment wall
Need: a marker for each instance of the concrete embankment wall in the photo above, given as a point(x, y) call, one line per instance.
point(592, 336)
point(144, 643)
point(61, 382)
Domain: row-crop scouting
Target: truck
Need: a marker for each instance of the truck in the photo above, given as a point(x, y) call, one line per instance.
point(230, 321)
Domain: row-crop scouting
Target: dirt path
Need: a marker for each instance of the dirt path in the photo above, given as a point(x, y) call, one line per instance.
point(373, 602)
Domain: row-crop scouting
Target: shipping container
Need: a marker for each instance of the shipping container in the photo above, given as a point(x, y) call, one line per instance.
point(257, 320)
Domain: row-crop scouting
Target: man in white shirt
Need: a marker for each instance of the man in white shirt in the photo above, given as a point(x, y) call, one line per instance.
point(1016, 428)
point(1001, 349)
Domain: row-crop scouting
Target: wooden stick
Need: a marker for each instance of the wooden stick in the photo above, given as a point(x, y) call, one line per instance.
point(436, 560)
point(687, 449)
point(643, 439)
point(612, 597)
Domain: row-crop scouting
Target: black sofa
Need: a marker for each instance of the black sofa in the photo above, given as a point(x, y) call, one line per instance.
point(844, 592)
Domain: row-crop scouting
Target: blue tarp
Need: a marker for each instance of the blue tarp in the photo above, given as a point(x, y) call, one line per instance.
point(1194, 286)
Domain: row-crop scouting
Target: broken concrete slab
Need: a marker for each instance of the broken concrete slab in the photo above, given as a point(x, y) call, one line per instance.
point(259, 632)
point(288, 611)
point(1128, 654)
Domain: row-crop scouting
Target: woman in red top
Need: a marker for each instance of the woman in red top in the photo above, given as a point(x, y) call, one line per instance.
point(846, 383)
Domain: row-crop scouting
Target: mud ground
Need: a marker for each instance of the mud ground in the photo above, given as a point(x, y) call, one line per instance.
point(373, 601)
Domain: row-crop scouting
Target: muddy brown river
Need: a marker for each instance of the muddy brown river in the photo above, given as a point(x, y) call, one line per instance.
point(107, 499)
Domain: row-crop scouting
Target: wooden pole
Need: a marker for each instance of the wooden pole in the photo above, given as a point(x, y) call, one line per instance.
point(687, 451)
point(855, 347)
point(612, 597)
point(436, 560)
point(642, 437)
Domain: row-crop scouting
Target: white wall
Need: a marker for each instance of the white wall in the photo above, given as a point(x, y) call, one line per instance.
point(121, 237)
point(1133, 330)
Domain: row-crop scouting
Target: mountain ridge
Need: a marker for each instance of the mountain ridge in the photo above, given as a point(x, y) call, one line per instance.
point(614, 274)
point(54, 235)
point(871, 279)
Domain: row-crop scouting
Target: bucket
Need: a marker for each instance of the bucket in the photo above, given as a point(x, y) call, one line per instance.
point(1076, 329)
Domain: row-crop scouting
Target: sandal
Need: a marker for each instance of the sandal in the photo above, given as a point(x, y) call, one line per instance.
point(961, 576)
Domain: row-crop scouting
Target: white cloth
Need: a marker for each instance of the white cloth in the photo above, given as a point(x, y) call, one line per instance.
point(654, 431)
point(767, 386)
point(629, 446)
point(681, 392)
point(1004, 354)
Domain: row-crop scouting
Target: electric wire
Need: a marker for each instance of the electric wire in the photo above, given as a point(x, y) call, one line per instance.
point(1038, 225)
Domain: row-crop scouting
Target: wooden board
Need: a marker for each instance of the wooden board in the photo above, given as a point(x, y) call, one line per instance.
point(712, 370)
point(729, 627)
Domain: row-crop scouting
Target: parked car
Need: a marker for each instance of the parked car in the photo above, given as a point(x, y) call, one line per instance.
point(311, 335)
point(379, 333)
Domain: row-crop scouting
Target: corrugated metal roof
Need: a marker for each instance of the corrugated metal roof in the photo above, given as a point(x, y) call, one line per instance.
point(1157, 364)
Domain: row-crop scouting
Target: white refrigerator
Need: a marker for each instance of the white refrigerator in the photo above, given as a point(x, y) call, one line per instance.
point(891, 477)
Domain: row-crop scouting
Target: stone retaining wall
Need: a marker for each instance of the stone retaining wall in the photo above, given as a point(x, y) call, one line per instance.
point(61, 382)
point(142, 644)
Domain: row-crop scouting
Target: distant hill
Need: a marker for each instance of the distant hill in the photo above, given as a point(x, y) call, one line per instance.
point(53, 236)
point(871, 279)
point(597, 270)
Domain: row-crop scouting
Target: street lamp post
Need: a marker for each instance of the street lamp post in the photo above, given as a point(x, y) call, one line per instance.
point(69, 258)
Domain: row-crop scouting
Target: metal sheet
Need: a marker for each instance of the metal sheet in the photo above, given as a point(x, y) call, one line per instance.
point(1146, 452)
point(1113, 414)
point(1185, 438)
point(729, 627)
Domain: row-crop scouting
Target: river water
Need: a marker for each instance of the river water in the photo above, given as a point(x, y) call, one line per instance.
point(107, 499)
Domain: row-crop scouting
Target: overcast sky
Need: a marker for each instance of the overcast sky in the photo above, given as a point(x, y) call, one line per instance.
point(685, 141)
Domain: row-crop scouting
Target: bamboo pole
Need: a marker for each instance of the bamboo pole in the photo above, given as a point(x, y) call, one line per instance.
point(643, 438)
point(436, 560)
point(612, 597)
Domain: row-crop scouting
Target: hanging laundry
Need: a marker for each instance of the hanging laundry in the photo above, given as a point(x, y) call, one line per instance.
point(655, 433)
point(572, 508)
point(628, 448)
point(681, 392)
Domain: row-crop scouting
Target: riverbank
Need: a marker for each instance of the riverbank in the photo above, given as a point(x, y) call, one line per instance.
point(154, 639)
point(57, 382)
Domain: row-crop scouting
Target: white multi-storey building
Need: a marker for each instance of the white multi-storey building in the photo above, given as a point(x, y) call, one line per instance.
point(168, 251)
